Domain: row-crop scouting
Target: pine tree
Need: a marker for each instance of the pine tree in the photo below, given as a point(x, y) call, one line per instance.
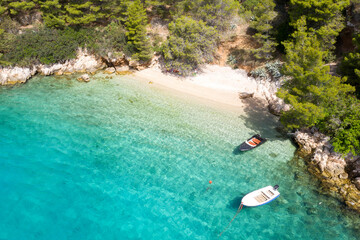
point(350, 66)
point(190, 44)
point(323, 17)
point(264, 14)
point(135, 25)
point(215, 13)
point(314, 94)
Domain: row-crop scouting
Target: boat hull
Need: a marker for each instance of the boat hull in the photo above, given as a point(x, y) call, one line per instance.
point(260, 197)
point(245, 145)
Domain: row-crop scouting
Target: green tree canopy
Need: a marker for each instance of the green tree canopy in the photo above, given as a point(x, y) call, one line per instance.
point(135, 25)
point(323, 17)
point(317, 98)
point(263, 16)
point(350, 66)
point(61, 13)
point(190, 44)
point(215, 13)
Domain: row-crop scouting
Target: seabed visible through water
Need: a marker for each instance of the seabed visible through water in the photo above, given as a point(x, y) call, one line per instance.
point(119, 159)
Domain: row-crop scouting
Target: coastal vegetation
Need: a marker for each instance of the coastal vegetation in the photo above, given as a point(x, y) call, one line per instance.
point(190, 44)
point(302, 34)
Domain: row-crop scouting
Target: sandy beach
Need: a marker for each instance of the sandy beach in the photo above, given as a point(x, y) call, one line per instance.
point(215, 83)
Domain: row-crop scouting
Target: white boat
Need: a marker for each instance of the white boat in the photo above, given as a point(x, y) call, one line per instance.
point(261, 196)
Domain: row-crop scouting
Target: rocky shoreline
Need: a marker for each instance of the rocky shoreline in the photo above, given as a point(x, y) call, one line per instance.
point(339, 175)
point(83, 63)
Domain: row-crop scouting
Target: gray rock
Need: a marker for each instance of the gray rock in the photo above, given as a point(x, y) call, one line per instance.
point(109, 70)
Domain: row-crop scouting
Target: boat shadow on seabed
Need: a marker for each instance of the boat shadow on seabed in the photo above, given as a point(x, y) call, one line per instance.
point(237, 151)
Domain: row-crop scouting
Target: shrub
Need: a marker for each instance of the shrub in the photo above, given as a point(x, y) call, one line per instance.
point(215, 13)
point(259, 73)
point(47, 46)
point(190, 44)
point(273, 68)
point(111, 39)
point(231, 60)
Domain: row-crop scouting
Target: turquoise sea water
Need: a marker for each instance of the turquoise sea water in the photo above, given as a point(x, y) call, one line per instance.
point(120, 159)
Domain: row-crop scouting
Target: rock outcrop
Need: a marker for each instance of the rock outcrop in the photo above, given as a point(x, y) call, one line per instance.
point(339, 175)
point(269, 80)
point(267, 88)
point(83, 63)
point(9, 76)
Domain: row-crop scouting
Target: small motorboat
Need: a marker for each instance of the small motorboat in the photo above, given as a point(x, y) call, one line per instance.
point(261, 196)
point(252, 142)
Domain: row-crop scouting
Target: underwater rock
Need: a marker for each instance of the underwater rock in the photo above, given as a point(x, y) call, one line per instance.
point(109, 70)
point(84, 78)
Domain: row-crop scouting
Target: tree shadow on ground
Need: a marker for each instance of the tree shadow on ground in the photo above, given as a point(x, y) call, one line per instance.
point(258, 117)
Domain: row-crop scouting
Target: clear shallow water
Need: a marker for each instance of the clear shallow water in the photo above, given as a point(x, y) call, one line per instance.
point(115, 159)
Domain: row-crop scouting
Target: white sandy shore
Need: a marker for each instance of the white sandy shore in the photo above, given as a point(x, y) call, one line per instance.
point(217, 84)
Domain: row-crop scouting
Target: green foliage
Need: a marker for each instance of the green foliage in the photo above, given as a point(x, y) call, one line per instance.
point(190, 44)
point(215, 13)
point(350, 66)
point(347, 133)
point(259, 73)
point(61, 13)
point(16, 6)
point(138, 42)
point(231, 60)
point(46, 46)
point(111, 39)
point(264, 15)
point(250, 4)
point(317, 98)
point(271, 70)
point(311, 90)
point(323, 17)
point(8, 28)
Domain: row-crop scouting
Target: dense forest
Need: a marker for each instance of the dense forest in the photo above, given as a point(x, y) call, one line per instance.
point(304, 34)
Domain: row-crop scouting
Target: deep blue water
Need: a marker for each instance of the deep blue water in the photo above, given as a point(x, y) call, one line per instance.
point(120, 159)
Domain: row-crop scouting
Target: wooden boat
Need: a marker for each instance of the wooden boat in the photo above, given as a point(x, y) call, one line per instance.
point(252, 142)
point(261, 196)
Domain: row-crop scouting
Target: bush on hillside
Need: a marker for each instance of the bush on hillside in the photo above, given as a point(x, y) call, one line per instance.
point(111, 39)
point(190, 44)
point(46, 46)
point(215, 13)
